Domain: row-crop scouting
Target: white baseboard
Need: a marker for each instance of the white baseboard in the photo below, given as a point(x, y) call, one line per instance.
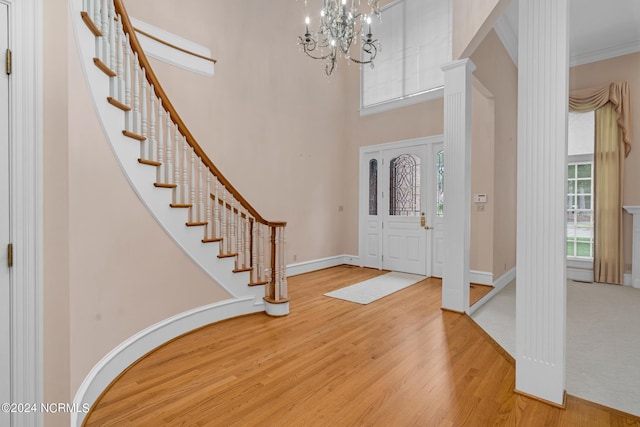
point(627, 280)
point(319, 264)
point(580, 274)
point(498, 285)
point(481, 277)
point(129, 351)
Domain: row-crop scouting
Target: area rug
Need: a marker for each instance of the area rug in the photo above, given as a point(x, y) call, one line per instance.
point(376, 288)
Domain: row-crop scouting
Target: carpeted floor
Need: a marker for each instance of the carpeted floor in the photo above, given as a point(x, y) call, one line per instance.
point(603, 340)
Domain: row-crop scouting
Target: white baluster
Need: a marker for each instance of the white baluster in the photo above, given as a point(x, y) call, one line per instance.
point(152, 124)
point(276, 284)
point(239, 242)
point(136, 95)
point(255, 278)
point(208, 213)
point(224, 226)
point(177, 191)
point(193, 212)
point(127, 81)
point(120, 58)
point(261, 253)
point(283, 264)
point(185, 170)
point(161, 170)
point(168, 170)
point(201, 196)
point(104, 18)
point(232, 225)
point(247, 243)
point(145, 146)
point(113, 50)
point(216, 210)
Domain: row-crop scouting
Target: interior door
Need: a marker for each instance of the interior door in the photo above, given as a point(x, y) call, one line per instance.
point(5, 331)
point(403, 207)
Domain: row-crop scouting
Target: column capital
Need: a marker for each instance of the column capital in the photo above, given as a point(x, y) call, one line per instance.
point(464, 62)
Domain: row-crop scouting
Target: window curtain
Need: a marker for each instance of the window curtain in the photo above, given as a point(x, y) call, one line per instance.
point(613, 135)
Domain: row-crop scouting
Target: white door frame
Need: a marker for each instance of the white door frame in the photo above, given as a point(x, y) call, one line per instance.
point(366, 152)
point(25, 122)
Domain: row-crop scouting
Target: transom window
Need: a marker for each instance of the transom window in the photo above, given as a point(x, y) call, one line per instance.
point(415, 36)
point(404, 185)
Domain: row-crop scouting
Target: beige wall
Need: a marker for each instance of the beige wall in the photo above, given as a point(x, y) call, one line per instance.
point(498, 74)
point(270, 119)
point(603, 72)
point(472, 21)
point(482, 156)
point(56, 308)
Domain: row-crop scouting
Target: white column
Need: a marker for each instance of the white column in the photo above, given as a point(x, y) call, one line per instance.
point(635, 250)
point(542, 177)
point(457, 176)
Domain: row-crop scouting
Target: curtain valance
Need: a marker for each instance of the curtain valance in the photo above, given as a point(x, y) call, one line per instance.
point(617, 93)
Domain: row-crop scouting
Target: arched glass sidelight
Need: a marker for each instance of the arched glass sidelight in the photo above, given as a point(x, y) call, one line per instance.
point(440, 184)
point(404, 185)
point(373, 187)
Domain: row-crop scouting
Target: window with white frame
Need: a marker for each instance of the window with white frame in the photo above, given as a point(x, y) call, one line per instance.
point(580, 188)
point(415, 38)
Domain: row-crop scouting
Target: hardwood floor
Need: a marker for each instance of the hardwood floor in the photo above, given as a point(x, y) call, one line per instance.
point(399, 361)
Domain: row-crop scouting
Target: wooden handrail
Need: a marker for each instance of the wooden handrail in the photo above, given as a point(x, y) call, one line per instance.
point(177, 120)
point(166, 43)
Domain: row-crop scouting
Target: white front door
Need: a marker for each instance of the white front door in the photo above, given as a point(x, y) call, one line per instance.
point(5, 294)
point(403, 207)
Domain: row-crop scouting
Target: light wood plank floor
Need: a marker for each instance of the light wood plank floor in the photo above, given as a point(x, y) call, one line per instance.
point(399, 361)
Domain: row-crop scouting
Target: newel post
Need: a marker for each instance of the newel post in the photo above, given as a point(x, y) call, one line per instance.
point(276, 300)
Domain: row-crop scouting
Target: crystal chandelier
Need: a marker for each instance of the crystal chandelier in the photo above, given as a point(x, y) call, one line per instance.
point(340, 25)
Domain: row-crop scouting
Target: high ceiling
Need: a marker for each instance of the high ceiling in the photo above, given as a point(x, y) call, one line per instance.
point(599, 29)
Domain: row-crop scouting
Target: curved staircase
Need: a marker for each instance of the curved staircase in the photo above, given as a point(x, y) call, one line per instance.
point(178, 183)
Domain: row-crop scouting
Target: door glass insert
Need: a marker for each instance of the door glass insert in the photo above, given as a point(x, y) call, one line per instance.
point(373, 187)
point(404, 185)
point(440, 184)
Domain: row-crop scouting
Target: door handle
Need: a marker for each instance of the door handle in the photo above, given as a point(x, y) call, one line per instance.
point(426, 227)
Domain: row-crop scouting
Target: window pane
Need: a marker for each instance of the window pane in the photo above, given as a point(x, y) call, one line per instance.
point(572, 171)
point(570, 248)
point(584, 186)
point(584, 170)
point(373, 187)
point(404, 185)
point(571, 188)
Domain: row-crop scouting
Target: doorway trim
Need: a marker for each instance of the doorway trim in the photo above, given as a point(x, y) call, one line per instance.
point(363, 192)
point(26, 164)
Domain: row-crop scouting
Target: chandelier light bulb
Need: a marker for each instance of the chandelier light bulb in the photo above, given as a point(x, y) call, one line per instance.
point(307, 20)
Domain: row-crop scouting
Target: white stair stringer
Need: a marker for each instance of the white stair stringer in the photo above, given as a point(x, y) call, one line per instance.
point(142, 177)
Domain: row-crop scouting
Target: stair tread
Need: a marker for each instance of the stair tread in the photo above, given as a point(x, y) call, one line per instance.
point(149, 162)
point(227, 255)
point(195, 224)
